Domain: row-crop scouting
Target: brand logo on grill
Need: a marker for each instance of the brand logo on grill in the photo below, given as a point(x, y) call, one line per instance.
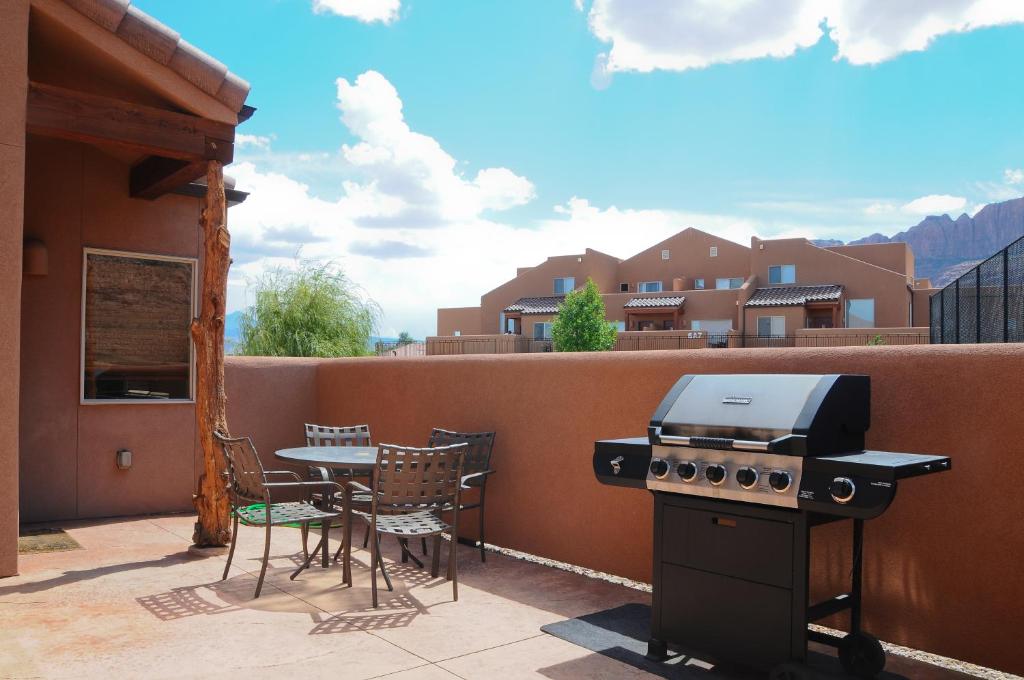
point(737, 400)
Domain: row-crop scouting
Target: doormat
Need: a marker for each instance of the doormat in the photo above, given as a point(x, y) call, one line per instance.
point(621, 633)
point(48, 539)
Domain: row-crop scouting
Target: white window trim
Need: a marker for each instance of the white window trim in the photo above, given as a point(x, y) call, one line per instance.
point(86, 252)
point(713, 251)
point(546, 337)
point(846, 312)
point(563, 278)
point(641, 284)
point(666, 254)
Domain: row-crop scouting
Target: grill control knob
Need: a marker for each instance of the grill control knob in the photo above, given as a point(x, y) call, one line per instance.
point(747, 477)
point(659, 468)
point(687, 471)
point(715, 473)
point(842, 489)
point(780, 480)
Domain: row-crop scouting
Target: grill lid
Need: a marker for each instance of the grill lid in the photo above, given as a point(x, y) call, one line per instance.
point(795, 414)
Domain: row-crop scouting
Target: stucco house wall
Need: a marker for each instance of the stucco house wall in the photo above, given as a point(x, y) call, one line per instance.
point(689, 258)
point(897, 257)
point(539, 281)
point(465, 320)
point(815, 266)
point(67, 448)
point(14, 77)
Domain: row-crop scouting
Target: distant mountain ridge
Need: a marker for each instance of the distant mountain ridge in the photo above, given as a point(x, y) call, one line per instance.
point(943, 246)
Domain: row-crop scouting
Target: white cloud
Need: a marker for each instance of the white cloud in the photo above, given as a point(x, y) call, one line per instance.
point(1013, 176)
point(935, 204)
point(682, 34)
point(367, 11)
point(408, 172)
point(243, 140)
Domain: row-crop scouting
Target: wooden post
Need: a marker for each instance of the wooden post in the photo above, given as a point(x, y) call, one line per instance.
point(211, 500)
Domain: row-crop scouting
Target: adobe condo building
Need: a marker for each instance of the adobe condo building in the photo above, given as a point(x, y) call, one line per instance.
point(698, 282)
point(109, 123)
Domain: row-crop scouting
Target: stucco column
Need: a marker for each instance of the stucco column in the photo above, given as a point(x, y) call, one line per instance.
point(13, 90)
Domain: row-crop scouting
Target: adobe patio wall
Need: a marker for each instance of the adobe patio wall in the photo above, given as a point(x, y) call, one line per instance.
point(941, 568)
point(14, 83)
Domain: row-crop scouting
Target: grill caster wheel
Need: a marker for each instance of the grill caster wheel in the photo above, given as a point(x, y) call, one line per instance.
point(861, 655)
point(790, 671)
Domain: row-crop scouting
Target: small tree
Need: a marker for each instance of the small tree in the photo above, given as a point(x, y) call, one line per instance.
point(312, 310)
point(580, 325)
point(405, 339)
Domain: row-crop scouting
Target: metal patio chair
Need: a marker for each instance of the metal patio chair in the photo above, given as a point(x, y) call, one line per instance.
point(249, 494)
point(475, 470)
point(333, 435)
point(410, 488)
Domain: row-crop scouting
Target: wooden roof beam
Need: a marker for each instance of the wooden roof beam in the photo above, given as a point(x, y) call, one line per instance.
point(94, 119)
point(156, 175)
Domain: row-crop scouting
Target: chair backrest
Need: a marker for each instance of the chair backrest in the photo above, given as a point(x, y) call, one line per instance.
point(422, 478)
point(245, 471)
point(478, 453)
point(327, 435)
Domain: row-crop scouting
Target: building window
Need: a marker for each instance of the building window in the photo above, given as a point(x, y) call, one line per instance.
point(457, 333)
point(620, 325)
point(771, 326)
point(564, 285)
point(734, 282)
point(510, 325)
point(648, 287)
point(698, 284)
point(542, 330)
point(860, 313)
point(712, 326)
point(782, 273)
point(665, 254)
point(713, 251)
point(136, 313)
point(623, 287)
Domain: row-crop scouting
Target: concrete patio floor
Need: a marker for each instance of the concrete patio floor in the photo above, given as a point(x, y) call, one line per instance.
point(134, 603)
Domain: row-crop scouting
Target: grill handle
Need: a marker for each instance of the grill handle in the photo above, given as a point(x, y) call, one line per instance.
point(715, 443)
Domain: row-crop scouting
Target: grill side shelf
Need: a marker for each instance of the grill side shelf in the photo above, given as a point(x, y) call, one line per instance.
point(622, 462)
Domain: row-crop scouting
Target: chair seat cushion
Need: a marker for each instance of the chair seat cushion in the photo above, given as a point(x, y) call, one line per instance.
point(283, 513)
point(409, 524)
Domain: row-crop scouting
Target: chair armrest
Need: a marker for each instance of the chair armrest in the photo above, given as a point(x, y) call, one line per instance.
point(356, 486)
point(283, 472)
point(301, 485)
point(476, 475)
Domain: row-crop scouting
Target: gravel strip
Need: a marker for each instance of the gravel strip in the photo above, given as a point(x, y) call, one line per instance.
point(924, 657)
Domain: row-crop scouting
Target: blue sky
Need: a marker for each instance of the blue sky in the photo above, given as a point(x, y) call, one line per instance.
point(637, 118)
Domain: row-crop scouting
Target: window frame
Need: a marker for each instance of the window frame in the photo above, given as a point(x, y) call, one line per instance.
point(554, 290)
point(194, 262)
point(640, 287)
point(713, 251)
point(730, 279)
point(782, 268)
point(666, 254)
point(546, 337)
point(698, 284)
point(772, 317)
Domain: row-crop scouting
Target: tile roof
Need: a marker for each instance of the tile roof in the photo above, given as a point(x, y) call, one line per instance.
point(536, 305)
point(672, 301)
point(165, 46)
point(792, 296)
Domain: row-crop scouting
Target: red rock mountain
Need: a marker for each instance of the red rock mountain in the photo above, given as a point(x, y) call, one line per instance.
point(942, 245)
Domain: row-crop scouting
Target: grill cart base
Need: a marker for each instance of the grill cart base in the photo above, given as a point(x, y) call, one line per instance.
point(731, 583)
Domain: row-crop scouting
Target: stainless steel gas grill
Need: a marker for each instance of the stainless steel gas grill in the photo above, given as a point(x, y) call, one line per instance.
point(741, 468)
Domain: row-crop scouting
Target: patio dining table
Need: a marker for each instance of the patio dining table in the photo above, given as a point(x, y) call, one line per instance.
point(338, 458)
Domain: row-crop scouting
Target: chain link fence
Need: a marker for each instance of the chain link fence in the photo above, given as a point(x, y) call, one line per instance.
point(986, 304)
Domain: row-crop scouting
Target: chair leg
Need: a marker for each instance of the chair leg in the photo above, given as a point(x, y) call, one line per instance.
point(404, 542)
point(380, 561)
point(305, 540)
point(435, 563)
point(366, 536)
point(452, 566)
point(266, 558)
point(423, 545)
point(346, 568)
point(374, 556)
point(483, 551)
point(231, 550)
